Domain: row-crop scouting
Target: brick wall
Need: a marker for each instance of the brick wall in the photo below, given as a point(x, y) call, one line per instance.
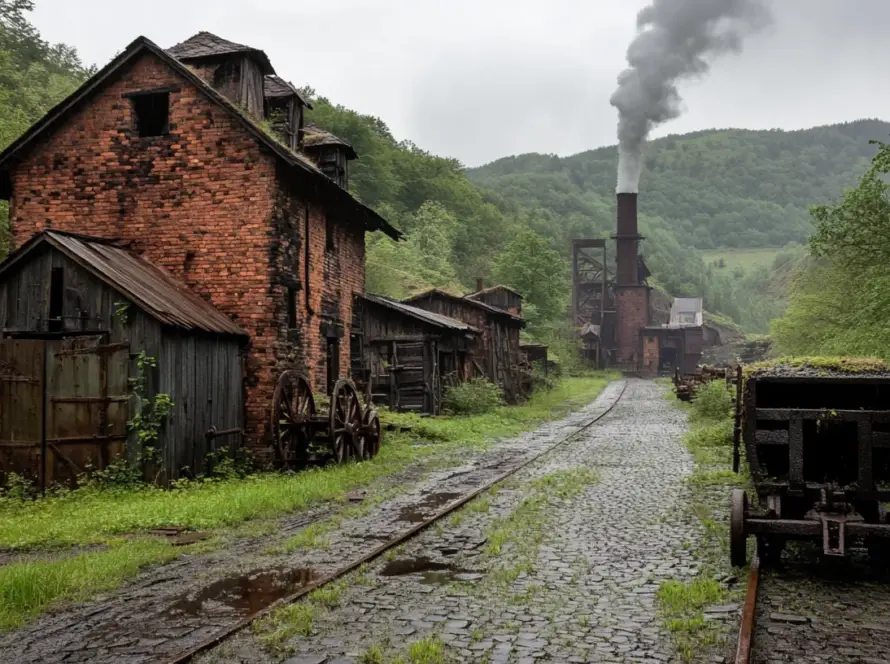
point(633, 313)
point(207, 203)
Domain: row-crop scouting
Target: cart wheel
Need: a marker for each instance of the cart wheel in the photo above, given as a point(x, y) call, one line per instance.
point(346, 422)
point(370, 433)
point(292, 407)
point(738, 510)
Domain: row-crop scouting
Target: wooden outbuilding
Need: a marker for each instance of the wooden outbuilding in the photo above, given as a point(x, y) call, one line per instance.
point(406, 356)
point(87, 327)
point(496, 353)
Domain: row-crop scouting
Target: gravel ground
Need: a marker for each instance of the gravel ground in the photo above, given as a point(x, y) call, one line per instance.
point(813, 610)
point(577, 583)
point(178, 605)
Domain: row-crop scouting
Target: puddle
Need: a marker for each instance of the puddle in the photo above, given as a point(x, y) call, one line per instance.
point(430, 571)
point(417, 512)
point(246, 593)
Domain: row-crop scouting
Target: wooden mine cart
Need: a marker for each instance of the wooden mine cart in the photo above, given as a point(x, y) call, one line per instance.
point(818, 448)
point(349, 430)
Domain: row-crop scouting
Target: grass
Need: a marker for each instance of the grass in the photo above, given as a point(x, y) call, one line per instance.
point(313, 536)
point(30, 588)
point(430, 650)
point(91, 516)
point(682, 607)
point(285, 623)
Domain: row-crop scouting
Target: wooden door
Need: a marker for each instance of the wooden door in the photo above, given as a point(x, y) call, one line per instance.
point(86, 406)
point(21, 408)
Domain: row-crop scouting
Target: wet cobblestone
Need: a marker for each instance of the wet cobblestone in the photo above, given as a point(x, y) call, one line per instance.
point(586, 593)
point(145, 621)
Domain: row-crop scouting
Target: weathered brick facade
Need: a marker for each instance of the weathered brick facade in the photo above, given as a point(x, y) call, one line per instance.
point(632, 304)
point(213, 205)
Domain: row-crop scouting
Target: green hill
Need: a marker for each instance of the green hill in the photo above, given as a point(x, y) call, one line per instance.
point(714, 189)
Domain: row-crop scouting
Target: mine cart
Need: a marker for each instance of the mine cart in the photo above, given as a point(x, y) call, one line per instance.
point(818, 448)
point(349, 430)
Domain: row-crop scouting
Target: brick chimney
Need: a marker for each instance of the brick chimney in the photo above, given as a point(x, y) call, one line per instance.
point(627, 239)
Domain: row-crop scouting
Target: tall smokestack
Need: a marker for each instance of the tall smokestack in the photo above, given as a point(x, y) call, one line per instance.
point(627, 239)
point(676, 39)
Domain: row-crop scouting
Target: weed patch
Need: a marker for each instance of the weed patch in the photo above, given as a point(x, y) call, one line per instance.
point(682, 606)
point(29, 588)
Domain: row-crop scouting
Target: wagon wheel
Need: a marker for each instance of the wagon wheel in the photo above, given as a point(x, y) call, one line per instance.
point(292, 407)
point(370, 433)
point(738, 510)
point(346, 422)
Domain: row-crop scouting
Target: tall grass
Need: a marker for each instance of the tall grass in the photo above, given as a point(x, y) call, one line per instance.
point(28, 588)
point(91, 516)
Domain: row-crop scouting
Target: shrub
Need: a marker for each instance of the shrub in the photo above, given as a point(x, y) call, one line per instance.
point(478, 395)
point(712, 401)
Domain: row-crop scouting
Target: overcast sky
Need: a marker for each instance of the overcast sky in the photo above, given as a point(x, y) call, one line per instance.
point(482, 79)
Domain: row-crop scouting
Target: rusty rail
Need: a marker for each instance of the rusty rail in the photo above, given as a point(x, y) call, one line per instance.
point(188, 655)
point(746, 631)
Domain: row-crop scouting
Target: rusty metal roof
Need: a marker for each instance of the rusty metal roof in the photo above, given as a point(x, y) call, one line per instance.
point(208, 45)
point(421, 314)
point(275, 87)
point(149, 287)
point(313, 136)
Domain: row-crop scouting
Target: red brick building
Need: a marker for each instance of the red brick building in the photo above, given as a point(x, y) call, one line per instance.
point(169, 151)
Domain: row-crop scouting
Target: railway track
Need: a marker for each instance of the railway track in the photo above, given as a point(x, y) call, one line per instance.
point(816, 610)
point(190, 653)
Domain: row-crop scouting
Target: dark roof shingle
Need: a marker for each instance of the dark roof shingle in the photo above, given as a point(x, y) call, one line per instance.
point(275, 86)
point(208, 45)
point(466, 300)
point(313, 136)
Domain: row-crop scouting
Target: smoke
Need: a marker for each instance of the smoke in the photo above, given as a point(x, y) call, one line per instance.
point(676, 39)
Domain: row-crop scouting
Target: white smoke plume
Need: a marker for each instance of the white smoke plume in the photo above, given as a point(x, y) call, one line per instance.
point(676, 39)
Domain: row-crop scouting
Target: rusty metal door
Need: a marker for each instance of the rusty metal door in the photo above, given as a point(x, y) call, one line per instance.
point(21, 407)
point(86, 406)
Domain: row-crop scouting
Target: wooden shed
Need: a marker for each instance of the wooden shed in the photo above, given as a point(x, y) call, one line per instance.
point(407, 355)
point(500, 296)
point(496, 354)
point(85, 326)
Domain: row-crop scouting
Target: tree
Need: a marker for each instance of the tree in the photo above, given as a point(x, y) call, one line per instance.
point(529, 265)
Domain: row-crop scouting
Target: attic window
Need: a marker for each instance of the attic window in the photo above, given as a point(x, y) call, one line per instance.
point(152, 112)
point(292, 307)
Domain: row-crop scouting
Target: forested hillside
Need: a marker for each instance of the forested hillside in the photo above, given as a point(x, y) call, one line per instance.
point(719, 188)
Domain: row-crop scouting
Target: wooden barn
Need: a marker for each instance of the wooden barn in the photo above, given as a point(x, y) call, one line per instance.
point(85, 324)
point(406, 356)
point(496, 354)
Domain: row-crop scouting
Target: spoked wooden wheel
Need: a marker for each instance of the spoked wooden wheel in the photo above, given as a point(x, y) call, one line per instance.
point(292, 408)
point(346, 422)
point(370, 433)
point(738, 511)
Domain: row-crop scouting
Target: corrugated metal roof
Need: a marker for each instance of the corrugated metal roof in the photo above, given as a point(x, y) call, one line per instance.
point(146, 285)
point(421, 314)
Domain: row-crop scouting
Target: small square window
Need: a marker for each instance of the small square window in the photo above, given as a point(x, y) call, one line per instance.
point(152, 112)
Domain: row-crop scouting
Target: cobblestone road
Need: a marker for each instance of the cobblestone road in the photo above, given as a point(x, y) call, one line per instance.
point(814, 612)
point(582, 592)
point(178, 605)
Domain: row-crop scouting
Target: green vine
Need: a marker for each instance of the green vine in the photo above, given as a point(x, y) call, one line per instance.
point(122, 312)
point(151, 413)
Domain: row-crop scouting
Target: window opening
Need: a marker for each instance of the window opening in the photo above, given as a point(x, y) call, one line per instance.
point(152, 113)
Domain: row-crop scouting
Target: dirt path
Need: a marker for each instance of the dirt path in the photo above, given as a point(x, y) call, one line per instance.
point(178, 605)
